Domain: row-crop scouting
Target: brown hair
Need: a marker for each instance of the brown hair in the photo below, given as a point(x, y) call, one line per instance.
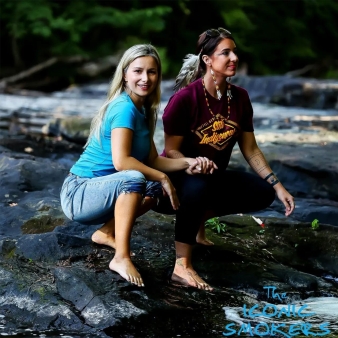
point(207, 44)
point(193, 66)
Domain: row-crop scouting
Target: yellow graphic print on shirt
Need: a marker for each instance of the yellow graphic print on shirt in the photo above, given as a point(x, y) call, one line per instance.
point(217, 132)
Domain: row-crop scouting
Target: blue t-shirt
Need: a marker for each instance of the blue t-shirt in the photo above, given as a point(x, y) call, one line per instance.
point(96, 160)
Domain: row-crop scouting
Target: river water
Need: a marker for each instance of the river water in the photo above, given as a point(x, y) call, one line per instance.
point(85, 100)
point(270, 120)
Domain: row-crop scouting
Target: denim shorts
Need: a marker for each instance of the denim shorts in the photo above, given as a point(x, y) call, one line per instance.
point(92, 200)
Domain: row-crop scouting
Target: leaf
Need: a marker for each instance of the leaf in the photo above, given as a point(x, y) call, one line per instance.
point(315, 224)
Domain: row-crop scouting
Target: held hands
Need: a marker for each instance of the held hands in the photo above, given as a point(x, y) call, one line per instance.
point(169, 190)
point(286, 199)
point(201, 165)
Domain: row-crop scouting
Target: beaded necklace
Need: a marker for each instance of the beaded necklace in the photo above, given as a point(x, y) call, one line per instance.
point(229, 96)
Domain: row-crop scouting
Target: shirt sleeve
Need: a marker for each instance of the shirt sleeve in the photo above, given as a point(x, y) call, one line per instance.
point(176, 115)
point(122, 115)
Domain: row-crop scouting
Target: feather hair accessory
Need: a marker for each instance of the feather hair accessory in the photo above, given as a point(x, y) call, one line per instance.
point(188, 72)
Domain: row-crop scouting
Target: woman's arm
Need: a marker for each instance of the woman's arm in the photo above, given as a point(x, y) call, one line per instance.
point(169, 164)
point(172, 149)
point(255, 158)
point(121, 144)
point(173, 145)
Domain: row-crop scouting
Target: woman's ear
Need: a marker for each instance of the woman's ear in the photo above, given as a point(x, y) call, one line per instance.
point(206, 59)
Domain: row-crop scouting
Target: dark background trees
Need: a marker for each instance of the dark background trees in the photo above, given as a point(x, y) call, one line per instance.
point(273, 36)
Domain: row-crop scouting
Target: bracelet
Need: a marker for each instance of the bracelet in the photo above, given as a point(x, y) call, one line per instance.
point(266, 178)
point(274, 181)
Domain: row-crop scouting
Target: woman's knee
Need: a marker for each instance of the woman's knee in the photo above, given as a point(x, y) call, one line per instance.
point(270, 196)
point(134, 175)
point(194, 188)
point(133, 181)
point(153, 189)
point(265, 196)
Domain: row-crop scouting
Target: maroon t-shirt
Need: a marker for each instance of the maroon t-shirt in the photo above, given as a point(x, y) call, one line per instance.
point(187, 114)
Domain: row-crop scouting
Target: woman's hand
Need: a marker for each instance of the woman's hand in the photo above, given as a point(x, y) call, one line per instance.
point(170, 190)
point(202, 165)
point(286, 199)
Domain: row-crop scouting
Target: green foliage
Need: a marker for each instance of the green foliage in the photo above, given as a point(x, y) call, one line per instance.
point(27, 17)
point(273, 37)
point(41, 291)
point(332, 74)
point(162, 51)
point(216, 225)
point(315, 224)
point(10, 254)
point(71, 27)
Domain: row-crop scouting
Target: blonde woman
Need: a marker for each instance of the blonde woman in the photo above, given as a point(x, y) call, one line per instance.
point(119, 175)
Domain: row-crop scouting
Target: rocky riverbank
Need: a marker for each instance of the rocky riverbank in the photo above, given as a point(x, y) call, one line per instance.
point(55, 282)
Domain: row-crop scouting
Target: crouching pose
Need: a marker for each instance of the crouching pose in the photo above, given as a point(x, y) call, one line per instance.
point(205, 118)
point(119, 175)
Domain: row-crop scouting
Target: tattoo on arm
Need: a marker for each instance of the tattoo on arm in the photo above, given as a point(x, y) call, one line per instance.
point(257, 162)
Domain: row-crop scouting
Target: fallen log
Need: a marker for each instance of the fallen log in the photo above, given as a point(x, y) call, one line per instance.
point(4, 82)
point(37, 77)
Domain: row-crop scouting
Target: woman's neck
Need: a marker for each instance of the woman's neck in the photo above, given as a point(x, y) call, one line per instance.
point(137, 100)
point(211, 87)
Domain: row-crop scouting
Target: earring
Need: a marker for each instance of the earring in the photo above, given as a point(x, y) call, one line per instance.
point(229, 95)
point(219, 95)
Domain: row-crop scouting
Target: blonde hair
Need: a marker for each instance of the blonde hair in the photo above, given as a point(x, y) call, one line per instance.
point(117, 86)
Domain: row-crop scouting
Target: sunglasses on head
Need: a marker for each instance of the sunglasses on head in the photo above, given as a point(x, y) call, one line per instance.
point(216, 32)
point(212, 33)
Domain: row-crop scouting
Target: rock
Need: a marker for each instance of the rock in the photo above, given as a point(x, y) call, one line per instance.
point(290, 91)
point(308, 171)
point(34, 307)
point(73, 129)
point(53, 278)
point(56, 246)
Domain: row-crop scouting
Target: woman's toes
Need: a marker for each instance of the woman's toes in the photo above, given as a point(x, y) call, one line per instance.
point(207, 287)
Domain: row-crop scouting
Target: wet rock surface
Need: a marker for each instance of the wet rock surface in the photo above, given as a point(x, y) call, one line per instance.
point(55, 281)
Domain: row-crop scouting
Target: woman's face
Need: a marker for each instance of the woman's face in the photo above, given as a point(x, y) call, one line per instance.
point(224, 60)
point(141, 77)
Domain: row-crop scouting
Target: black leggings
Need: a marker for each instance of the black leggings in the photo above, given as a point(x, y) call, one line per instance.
point(224, 192)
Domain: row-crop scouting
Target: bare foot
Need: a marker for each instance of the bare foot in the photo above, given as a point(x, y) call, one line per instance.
point(100, 237)
point(201, 237)
point(125, 268)
point(204, 241)
point(188, 277)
